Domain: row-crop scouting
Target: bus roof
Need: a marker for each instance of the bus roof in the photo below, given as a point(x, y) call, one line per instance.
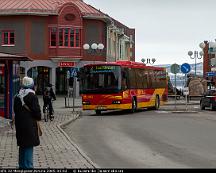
point(130, 64)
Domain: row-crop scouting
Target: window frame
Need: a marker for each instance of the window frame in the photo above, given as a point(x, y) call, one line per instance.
point(76, 36)
point(9, 32)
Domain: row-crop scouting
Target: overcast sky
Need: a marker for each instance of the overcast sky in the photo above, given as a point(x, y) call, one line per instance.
point(165, 29)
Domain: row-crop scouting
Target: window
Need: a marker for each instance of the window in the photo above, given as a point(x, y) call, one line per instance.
point(53, 36)
point(68, 37)
point(71, 37)
point(8, 38)
point(61, 37)
point(77, 38)
point(132, 78)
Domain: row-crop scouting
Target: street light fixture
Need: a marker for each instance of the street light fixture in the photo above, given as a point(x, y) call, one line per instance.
point(148, 61)
point(195, 57)
point(94, 47)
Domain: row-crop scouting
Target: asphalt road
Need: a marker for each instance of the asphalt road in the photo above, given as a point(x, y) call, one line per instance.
point(147, 139)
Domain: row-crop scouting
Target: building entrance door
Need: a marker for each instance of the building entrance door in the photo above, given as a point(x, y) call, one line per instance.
point(2, 89)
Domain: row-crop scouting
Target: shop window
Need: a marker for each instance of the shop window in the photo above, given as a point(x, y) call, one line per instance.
point(8, 38)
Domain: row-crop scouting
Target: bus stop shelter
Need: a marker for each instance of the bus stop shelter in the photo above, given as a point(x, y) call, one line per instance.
point(9, 81)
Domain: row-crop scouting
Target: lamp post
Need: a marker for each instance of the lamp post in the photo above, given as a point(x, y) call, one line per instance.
point(148, 61)
point(195, 57)
point(209, 63)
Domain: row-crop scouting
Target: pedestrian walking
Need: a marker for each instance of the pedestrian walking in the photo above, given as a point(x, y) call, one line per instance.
point(27, 113)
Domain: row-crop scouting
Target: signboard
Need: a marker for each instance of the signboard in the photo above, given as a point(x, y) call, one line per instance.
point(212, 73)
point(174, 68)
point(185, 68)
point(185, 91)
point(213, 69)
point(66, 64)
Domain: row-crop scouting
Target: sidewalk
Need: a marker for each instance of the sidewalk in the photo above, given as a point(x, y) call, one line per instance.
point(56, 150)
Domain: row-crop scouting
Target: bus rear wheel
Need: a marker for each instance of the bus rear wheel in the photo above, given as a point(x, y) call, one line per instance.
point(157, 103)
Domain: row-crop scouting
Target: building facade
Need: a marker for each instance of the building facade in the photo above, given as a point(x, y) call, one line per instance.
point(52, 34)
point(49, 37)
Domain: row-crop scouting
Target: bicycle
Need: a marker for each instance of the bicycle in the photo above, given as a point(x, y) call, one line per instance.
point(47, 114)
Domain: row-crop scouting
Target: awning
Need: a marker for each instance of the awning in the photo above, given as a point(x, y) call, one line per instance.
point(6, 56)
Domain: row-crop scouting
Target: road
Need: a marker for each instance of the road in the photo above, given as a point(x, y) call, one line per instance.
point(147, 139)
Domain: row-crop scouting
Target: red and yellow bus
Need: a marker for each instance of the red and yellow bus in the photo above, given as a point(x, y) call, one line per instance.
point(122, 85)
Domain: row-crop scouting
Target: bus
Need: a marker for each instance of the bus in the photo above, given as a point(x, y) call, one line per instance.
point(122, 85)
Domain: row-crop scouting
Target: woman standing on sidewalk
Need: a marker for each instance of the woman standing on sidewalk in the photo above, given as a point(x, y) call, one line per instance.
point(26, 122)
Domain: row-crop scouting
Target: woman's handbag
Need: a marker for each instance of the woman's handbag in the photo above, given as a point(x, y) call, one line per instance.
point(38, 124)
point(39, 129)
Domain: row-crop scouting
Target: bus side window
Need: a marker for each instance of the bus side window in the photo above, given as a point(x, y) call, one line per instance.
point(124, 80)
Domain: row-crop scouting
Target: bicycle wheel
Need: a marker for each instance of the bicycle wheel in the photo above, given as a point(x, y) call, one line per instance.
point(46, 114)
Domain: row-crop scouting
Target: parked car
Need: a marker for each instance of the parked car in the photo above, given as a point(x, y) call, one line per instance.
point(208, 100)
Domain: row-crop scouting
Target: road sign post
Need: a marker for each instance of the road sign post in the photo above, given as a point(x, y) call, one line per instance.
point(68, 77)
point(175, 69)
point(185, 68)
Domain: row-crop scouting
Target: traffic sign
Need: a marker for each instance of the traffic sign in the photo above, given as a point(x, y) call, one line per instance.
point(174, 68)
point(185, 68)
point(74, 72)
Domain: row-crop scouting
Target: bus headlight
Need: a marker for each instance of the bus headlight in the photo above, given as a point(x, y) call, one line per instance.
point(116, 102)
point(86, 102)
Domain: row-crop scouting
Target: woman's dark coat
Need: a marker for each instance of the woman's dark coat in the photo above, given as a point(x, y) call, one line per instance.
point(26, 121)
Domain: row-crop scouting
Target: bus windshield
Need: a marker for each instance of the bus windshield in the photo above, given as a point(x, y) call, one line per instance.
point(100, 79)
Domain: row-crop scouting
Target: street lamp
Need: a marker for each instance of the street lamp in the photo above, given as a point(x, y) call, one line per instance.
point(94, 47)
point(148, 61)
point(195, 53)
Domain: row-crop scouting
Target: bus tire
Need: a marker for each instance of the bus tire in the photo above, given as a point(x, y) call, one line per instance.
point(98, 112)
point(157, 103)
point(134, 105)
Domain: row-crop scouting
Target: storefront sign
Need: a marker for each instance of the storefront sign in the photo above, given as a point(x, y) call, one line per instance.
point(66, 64)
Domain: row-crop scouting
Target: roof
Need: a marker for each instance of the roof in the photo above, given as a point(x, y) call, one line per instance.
point(6, 56)
point(43, 7)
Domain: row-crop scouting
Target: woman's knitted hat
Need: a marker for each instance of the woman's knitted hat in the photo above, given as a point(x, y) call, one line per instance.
point(28, 82)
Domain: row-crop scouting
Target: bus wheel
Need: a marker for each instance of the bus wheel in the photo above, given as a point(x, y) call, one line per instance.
point(157, 103)
point(134, 105)
point(98, 112)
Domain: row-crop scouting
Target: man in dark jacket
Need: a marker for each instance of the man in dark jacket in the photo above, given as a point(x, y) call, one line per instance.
point(26, 122)
point(48, 96)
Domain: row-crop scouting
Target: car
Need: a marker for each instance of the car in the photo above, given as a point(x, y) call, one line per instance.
point(208, 100)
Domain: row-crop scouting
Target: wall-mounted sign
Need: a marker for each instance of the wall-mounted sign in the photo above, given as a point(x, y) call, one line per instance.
point(66, 64)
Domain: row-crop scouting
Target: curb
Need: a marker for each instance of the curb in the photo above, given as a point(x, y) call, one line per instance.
point(59, 126)
point(185, 111)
